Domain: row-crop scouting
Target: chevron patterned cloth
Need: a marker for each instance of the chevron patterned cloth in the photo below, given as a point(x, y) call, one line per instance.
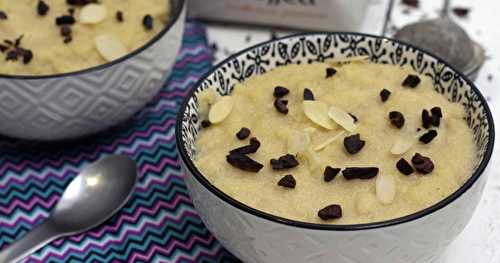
point(158, 224)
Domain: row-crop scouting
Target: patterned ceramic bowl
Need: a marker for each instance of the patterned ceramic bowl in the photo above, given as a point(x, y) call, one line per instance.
point(255, 236)
point(69, 105)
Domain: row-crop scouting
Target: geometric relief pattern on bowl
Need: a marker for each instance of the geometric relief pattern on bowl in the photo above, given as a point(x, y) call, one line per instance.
point(85, 103)
point(318, 47)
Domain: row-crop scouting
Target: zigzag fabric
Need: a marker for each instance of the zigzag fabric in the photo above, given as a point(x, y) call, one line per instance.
point(158, 224)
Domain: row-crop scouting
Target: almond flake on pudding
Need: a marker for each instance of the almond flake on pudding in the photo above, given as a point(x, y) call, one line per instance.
point(93, 14)
point(205, 99)
point(385, 188)
point(329, 141)
point(342, 118)
point(110, 48)
point(297, 142)
point(401, 145)
point(221, 109)
point(317, 112)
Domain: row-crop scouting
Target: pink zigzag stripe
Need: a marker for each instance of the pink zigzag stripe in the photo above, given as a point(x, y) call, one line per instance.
point(17, 203)
point(36, 178)
point(132, 232)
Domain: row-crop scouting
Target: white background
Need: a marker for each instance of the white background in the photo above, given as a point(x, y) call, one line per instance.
point(480, 241)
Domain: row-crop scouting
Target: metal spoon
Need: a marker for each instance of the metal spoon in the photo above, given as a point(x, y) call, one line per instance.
point(98, 192)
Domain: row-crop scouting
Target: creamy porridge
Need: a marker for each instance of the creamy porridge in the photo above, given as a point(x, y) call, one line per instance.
point(338, 143)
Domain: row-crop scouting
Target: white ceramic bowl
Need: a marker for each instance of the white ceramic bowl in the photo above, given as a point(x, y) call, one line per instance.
point(255, 236)
point(70, 105)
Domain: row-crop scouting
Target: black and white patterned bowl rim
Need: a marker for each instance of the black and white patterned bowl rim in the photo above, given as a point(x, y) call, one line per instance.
point(316, 47)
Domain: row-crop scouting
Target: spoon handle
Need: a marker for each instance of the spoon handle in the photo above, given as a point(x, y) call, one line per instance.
point(29, 243)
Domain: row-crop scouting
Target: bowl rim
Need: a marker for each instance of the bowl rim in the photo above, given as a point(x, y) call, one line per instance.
point(331, 227)
point(174, 18)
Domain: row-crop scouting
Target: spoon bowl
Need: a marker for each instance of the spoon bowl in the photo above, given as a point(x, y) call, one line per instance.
point(97, 193)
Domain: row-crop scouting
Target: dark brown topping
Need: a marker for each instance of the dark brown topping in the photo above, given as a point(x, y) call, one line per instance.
point(11, 55)
point(15, 51)
point(384, 95)
point(251, 148)
point(330, 212)
point(66, 34)
point(243, 162)
point(80, 2)
point(461, 11)
point(426, 119)
point(65, 20)
point(404, 167)
point(119, 16)
point(147, 21)
point(422, 163)
point(243, 133)
point(3, 48)
point(330, 173)
point(205, 123)
point(428, 136)
point(308, 95)
point(353, 117)
point(437, 114)
point(281, 106)
point(411, 81)
point(412, 3)
point(280, 92)
point(71, 11)
point(363, 173)
point(8, 42)
point(26, 54)
point(286, 161)
point(287, 181)
point(3, 15)
point(330, 72)
point(353, 144)
point(397, 119)
point(42, 8)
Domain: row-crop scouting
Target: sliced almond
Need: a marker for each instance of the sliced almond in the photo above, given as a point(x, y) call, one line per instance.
point(110, 48)
point(297, 142)
point(402, 145)
point(329, 141)
point(317, 112)
point(385, 189)
point(205, 99)
point(92, 14)
point(221, 109)
point(313, 160)
point(342, 118)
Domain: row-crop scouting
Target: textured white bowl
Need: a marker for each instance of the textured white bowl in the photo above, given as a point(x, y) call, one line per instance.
point(70, 105)
point(255, 236)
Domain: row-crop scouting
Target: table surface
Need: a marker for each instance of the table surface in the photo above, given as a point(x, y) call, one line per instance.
point(480, 241)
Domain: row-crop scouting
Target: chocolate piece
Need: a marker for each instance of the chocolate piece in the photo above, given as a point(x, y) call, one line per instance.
point(286, 161)
point(353, 143)
point(404, 167)
point(397, 119)
point(411, 81)
point(384, 95)
point(426, 119)
point(251, 148)
point(67, 39)
point(353, 117)
point(460, 11)
point(412, 3)
point(42, 8)
point(422, 163)
point(330, 212)
point(437, 114)
point(243, 133)
point(147, 21)
point(330, 72)
point(80, 2)
point(71, 11)
point(243, 162)
point(287, 181)
point(363, 173)
point(428, 136)
point(308, 95)
point(8, 42)
point(205, 123)
point(280, 92)
point(65, 31)
point(3, 15)
point(330, 173)
point(281, 106)
point(18, 40)
point(119, 16)
point(26, 54)
point(65, 20)
point(3, 48)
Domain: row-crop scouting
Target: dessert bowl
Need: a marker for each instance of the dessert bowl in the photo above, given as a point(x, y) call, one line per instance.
point(69, 105)
point(256, 236)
